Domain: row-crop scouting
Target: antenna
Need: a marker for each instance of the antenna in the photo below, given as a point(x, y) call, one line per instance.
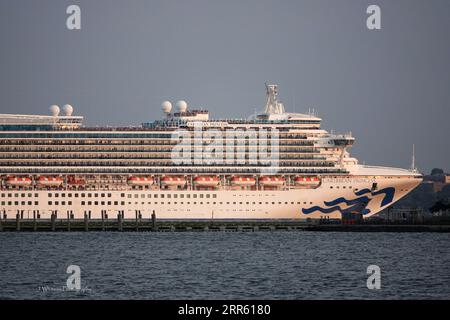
point(413, 159)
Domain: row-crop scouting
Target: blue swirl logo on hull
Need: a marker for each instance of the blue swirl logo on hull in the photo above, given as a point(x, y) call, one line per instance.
point(358, 204)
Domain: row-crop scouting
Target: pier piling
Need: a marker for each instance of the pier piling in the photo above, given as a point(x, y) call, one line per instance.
point(86, 221)
point(154, 227)
point(103, 220)
point(53, 219)
point(34, 221)
point(119, 221)
point(68, 220)
point(18, 221)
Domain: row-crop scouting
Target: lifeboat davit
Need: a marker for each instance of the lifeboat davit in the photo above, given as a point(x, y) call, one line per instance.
point(306, 181)
point(173, 181)
point(243, 181)
point(18, 181)
point(272, 181)
point(206, 181)
point(140, 181)
point(49, 181)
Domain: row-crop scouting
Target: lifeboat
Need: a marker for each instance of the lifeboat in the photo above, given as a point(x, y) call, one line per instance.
point(243, 181)
point(272, 181)
point(49, 181)
point(18, 181)
point(173, 181)
point(140, 181)
point(307, 181)
point(74, 180)
point(206, 181)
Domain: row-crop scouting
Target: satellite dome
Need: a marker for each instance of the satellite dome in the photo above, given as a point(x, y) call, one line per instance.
point(166, 106)
point(182, 106)
point(54, 110)
point(68, 110)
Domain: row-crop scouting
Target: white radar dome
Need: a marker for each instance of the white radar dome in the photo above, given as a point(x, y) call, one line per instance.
point(54, 110)
point(182, 106)
point(166, 106)
point(68, 110)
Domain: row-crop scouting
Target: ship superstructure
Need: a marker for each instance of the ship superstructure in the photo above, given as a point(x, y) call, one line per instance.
point(274, 165)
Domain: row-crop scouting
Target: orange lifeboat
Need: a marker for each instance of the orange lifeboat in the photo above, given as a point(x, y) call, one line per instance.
point(49, 181)
point(243, 181)
point(206, 181)
point(140, 181)
point(272, 181)
point(75, 181)
point(18, 181)
point(306, 181)
point(173, 181)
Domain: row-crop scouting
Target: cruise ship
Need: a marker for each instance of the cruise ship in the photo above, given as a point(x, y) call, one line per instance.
point(273, 165)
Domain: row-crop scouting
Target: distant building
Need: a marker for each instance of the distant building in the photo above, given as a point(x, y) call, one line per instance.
point(438, 181)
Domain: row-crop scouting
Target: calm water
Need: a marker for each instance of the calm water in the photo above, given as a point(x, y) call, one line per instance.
point(218, 265)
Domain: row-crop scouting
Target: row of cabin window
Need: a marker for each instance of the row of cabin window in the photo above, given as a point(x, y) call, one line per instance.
point(96, 203)
point(16, 203)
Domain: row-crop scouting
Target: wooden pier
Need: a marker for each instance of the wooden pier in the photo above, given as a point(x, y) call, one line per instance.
point(118, 224)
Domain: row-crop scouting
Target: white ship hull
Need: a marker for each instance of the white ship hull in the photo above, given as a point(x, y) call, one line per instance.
point(330, 199)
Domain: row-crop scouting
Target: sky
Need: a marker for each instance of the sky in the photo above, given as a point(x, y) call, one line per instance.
point(389, 87)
